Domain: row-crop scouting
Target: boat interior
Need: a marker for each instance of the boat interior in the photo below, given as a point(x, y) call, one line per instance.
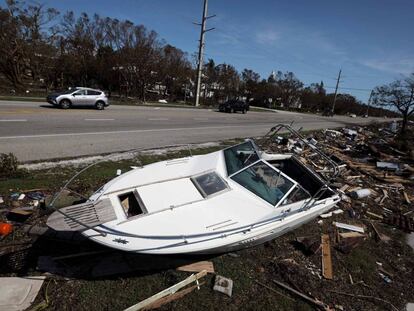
point(301, 174)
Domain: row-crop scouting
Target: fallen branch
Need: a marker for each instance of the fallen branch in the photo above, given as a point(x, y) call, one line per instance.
point(315, 302)
point(273, 290)
point(366, 297)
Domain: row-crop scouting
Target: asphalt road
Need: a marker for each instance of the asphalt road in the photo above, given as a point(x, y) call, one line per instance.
point(37, 131)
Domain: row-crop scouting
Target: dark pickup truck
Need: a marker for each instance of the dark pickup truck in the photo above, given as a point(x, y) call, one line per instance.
point(234, 106)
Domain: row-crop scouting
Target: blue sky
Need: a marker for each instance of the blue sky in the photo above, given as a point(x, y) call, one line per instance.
point(371, 40)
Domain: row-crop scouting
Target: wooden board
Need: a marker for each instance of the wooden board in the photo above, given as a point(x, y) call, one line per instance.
point(198, 266)
point(178, 295)
point(346, 235)
point(326, 258)
point(169, 291)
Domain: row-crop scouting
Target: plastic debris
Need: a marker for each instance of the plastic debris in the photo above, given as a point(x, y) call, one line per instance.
point(223, 285)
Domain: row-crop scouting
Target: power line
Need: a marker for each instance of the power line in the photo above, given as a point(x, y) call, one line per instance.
point(349, 88)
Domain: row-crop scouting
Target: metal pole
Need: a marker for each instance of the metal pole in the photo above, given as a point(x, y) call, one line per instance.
point(336, 91)
point(200, 53)
point(369, 102)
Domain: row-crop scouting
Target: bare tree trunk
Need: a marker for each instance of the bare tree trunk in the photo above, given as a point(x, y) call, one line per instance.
point(404, 124)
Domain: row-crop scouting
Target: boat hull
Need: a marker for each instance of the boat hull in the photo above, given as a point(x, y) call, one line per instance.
point(250, 239)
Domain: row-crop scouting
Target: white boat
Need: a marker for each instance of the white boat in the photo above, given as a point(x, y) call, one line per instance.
point(223, 201)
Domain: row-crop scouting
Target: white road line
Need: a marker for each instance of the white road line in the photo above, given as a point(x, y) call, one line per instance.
point(265, 125)
point(200, 119)
point(158, 119)
point(99, 119)
point(13, 120)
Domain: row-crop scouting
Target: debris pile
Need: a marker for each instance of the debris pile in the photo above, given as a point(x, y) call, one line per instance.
point(354, 257)
point(362, 251)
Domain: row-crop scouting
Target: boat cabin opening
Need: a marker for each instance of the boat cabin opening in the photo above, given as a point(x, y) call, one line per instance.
point(130, 204)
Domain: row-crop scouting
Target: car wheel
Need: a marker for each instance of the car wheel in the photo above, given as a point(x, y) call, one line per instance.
point(100, 105)
point(65, 104)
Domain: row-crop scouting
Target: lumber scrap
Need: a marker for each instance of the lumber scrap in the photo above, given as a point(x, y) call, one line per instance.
point(166, 292)
point(178, 295)
point(326, 258)
point(380, 236)
point(374, 215)
point(407, 199)
point(345, 235)
point(198, 266)
point(348, 227)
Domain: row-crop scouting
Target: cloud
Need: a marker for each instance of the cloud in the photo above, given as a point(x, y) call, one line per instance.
point(404, 65)
point(268, 37)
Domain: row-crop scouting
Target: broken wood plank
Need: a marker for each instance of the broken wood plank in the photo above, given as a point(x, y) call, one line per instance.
point(198, 266)
point(380, 236)
point(166, 292)
point(326, 258)
point(407, 199)
point(317, 303)
point(180, 294)
point(375, 215)
point(351, 234)
point(348, 227)
point(344, 187)
point(385, 195)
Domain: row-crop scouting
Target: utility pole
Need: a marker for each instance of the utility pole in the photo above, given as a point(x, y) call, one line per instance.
point(369, 102)
point(336, 91)
point(201, 51)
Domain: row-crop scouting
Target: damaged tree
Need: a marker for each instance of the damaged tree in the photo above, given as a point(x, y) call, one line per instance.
point(397, 95)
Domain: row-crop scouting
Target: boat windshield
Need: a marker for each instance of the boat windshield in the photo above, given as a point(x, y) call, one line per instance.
point(239, 157)
point(265, 182)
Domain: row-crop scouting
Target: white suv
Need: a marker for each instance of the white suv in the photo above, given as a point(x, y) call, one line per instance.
point(79, 96)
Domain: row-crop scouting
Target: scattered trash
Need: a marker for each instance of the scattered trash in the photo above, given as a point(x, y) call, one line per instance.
point(118, 172)
point(348, 227)
point(385, 278)
point(223, 285)
point(5, 228)
point(361, 193)
point(18, 293)
point(388, 166)
point(327, 215)
point(20, 214)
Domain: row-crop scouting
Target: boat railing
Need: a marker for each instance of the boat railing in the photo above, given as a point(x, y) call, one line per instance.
point(269, 137)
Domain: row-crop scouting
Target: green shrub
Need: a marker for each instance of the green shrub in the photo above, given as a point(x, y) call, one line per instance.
point(8, 165)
